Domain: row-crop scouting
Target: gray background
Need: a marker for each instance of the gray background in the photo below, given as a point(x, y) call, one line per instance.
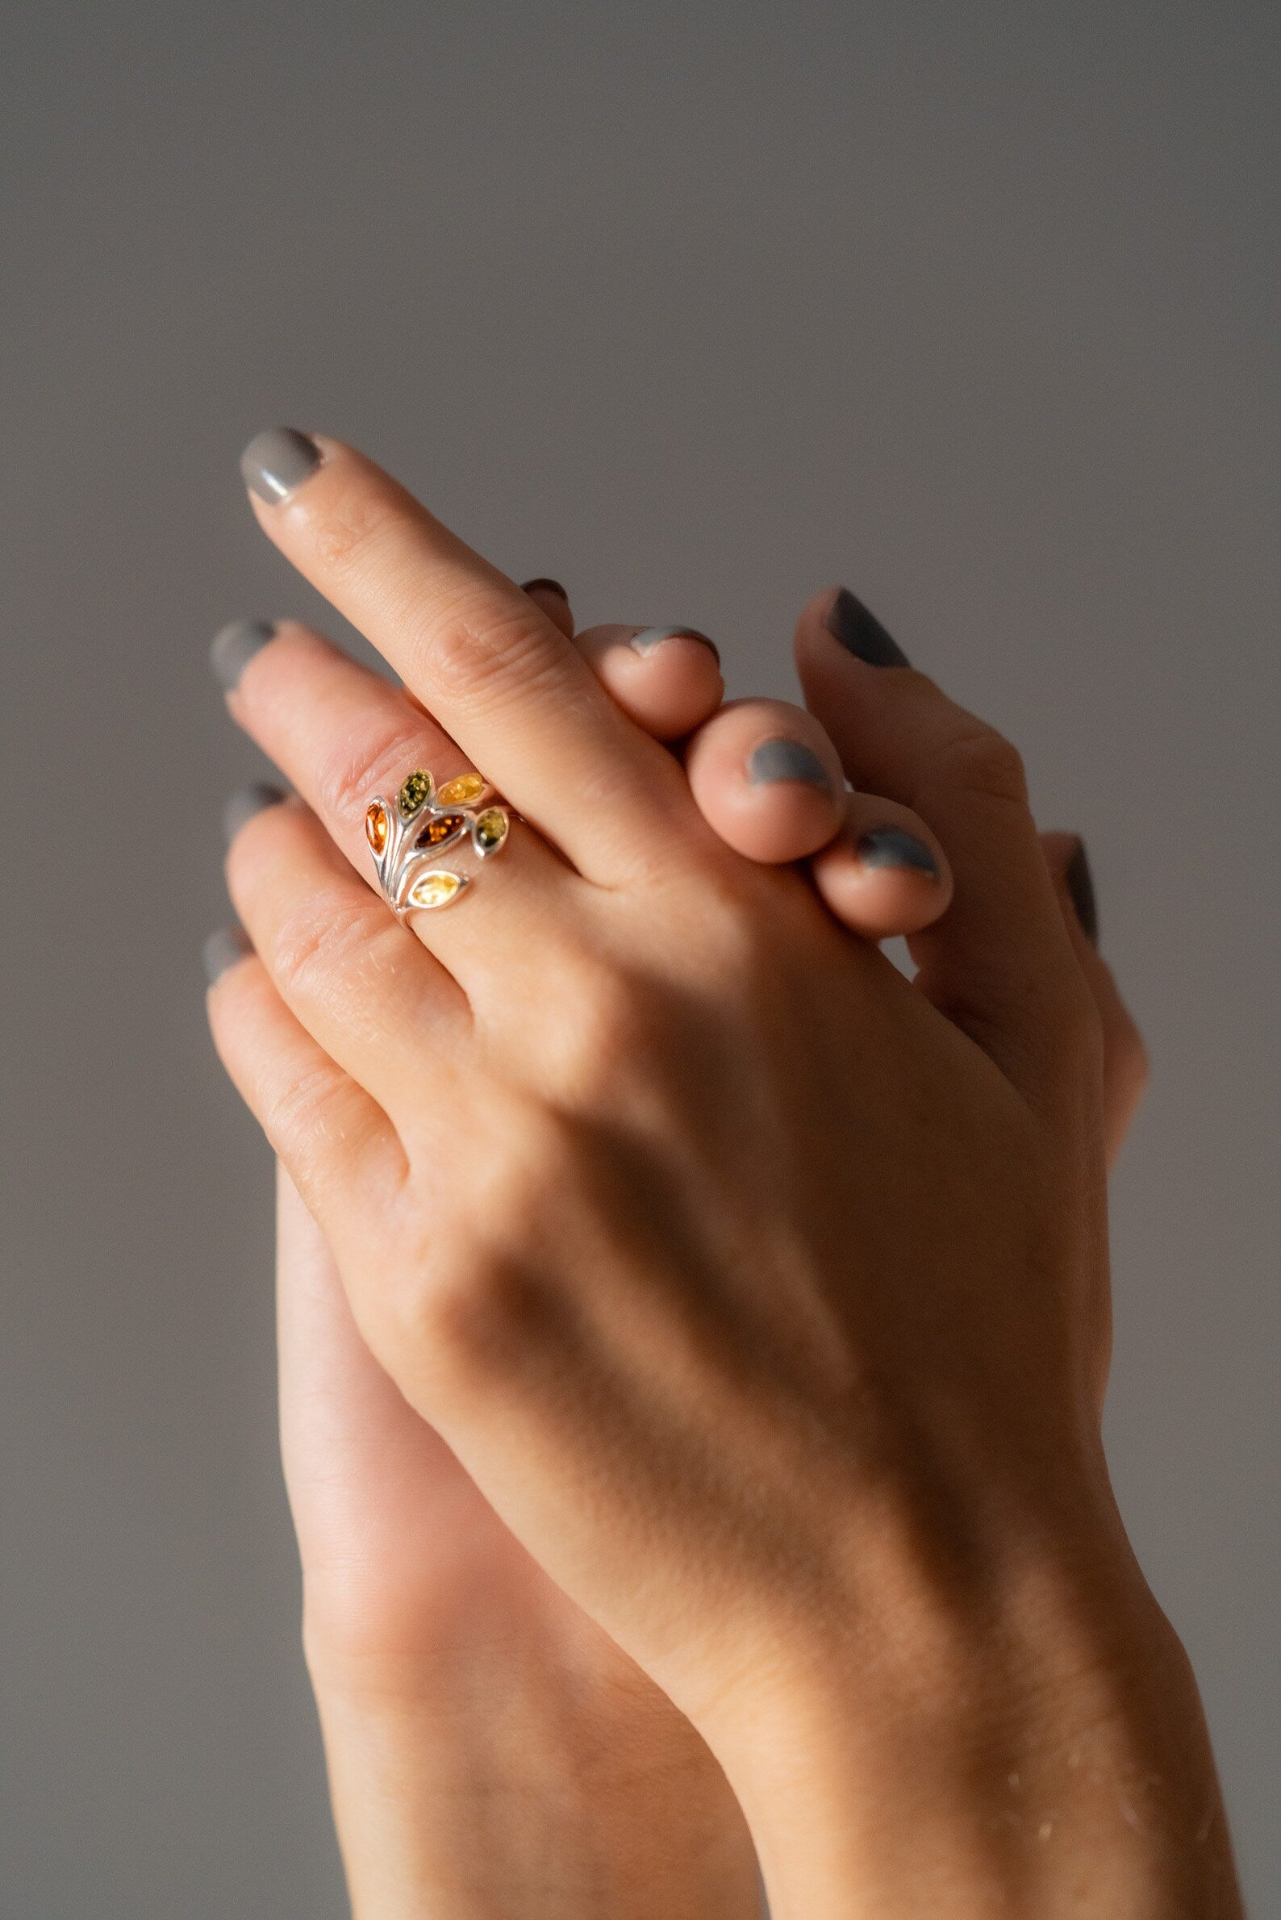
point(697, 307)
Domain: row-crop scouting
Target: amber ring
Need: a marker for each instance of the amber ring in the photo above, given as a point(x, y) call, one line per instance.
point(429, 842)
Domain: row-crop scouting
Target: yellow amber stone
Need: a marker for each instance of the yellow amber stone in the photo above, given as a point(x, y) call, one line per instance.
point(457, 793)
point(376, 827)
point(416, 792)
point(491, 829)
point(434, 890)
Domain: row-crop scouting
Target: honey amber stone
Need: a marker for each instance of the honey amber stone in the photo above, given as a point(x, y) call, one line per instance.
point(459, 792)
point(441, 827)
point(416, 792)
point(491, 829)
point(434, 890)
point(376, 827)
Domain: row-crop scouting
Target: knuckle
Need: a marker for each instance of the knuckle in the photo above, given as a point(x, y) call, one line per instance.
point(351, 529)
point(373, 761)
point(296, 1109)
point(985, 763)
point(318, 941)
point(478, 657)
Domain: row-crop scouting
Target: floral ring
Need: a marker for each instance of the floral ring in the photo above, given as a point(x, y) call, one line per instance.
point(410, 837)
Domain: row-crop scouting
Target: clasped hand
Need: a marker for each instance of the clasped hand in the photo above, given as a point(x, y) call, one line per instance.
point(711, 1405)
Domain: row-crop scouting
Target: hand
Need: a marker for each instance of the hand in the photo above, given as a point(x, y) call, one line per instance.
point(412, 1646)
point(890, 1283)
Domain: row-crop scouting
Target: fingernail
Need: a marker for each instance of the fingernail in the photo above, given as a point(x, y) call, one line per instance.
point(234, 647)
point(787, 760)
point(1079, 882)
point(891, 847)
point(861, 633)
point(543, 585)
point(223, 949)
point(276, 463)
point(248, 801)
point(650, 637)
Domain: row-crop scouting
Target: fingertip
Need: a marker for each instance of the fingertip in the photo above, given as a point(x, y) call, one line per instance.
point(667, 679)
point(552, 598)
point(767, 780)
point(885, 875)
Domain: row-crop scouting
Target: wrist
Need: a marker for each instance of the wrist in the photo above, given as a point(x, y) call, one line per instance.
point(1040, 1751)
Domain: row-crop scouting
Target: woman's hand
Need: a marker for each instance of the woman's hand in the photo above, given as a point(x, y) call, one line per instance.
point(429, 1627)
point(763, 1293)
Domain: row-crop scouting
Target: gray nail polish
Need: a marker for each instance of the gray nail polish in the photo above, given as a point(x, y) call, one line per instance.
point(650, 637)
point(246, 802)
point(1079, 882)
point(787, 760)
point(234, 647)
point(861, 633)
point(891, 847)
point(223, 949)
point(543, 585)
point(276, 463)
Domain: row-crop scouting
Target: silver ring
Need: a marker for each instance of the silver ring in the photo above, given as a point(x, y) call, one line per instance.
point(411, 836)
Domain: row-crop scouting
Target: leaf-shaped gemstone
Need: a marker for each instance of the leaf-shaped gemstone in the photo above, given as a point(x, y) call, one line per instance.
point(434, 890)
point(416, 792)
point(490, 829)
point(462, 791)
point(441, 827)
point(377, 826)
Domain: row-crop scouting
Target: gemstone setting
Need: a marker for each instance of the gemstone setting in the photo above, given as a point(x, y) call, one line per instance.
point(434, 890)
point(489, 829)
point(377, 828)
point(440, 828)
point(462, 791)
point(415, 793)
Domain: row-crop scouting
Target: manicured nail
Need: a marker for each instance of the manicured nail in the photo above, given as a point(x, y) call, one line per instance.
point(234, 647)
point(248, 801)
point(542, 585)
point(276, 463)
point(891, 847)
point(787, 760)
point(223, 949)
point(1079, 882)
point(861, 633)
point(650, 637)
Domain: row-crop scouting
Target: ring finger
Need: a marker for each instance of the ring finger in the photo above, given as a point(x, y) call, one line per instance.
point(341, 735)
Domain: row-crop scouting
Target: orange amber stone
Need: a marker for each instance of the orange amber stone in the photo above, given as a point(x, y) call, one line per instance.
point(441, 827)
point(376, 827)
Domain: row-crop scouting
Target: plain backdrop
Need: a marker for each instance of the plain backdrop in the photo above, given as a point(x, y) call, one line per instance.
point(697, 307)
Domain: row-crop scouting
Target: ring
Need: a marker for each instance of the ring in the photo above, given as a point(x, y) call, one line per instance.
point(407, 838)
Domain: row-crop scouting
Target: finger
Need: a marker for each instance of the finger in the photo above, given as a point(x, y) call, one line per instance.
point(884, 874)
point(494, 671)
point(337, 1143)
point(666, 679)
point(1125, 1060)
point(357, 1458)
point(551, 598)
point(999, 963)
point(767, 779)
point(342, 734)
point(360, 984)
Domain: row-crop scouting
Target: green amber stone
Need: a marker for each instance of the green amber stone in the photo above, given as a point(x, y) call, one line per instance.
point(491, 829)
point(415, 793)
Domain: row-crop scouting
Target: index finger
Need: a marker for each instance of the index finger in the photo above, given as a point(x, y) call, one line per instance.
point(479, 653)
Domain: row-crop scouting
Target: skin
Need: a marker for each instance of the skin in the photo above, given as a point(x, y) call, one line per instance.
point(813, 1437)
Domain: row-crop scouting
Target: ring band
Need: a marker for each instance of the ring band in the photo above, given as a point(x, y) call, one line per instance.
point(408, 836)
